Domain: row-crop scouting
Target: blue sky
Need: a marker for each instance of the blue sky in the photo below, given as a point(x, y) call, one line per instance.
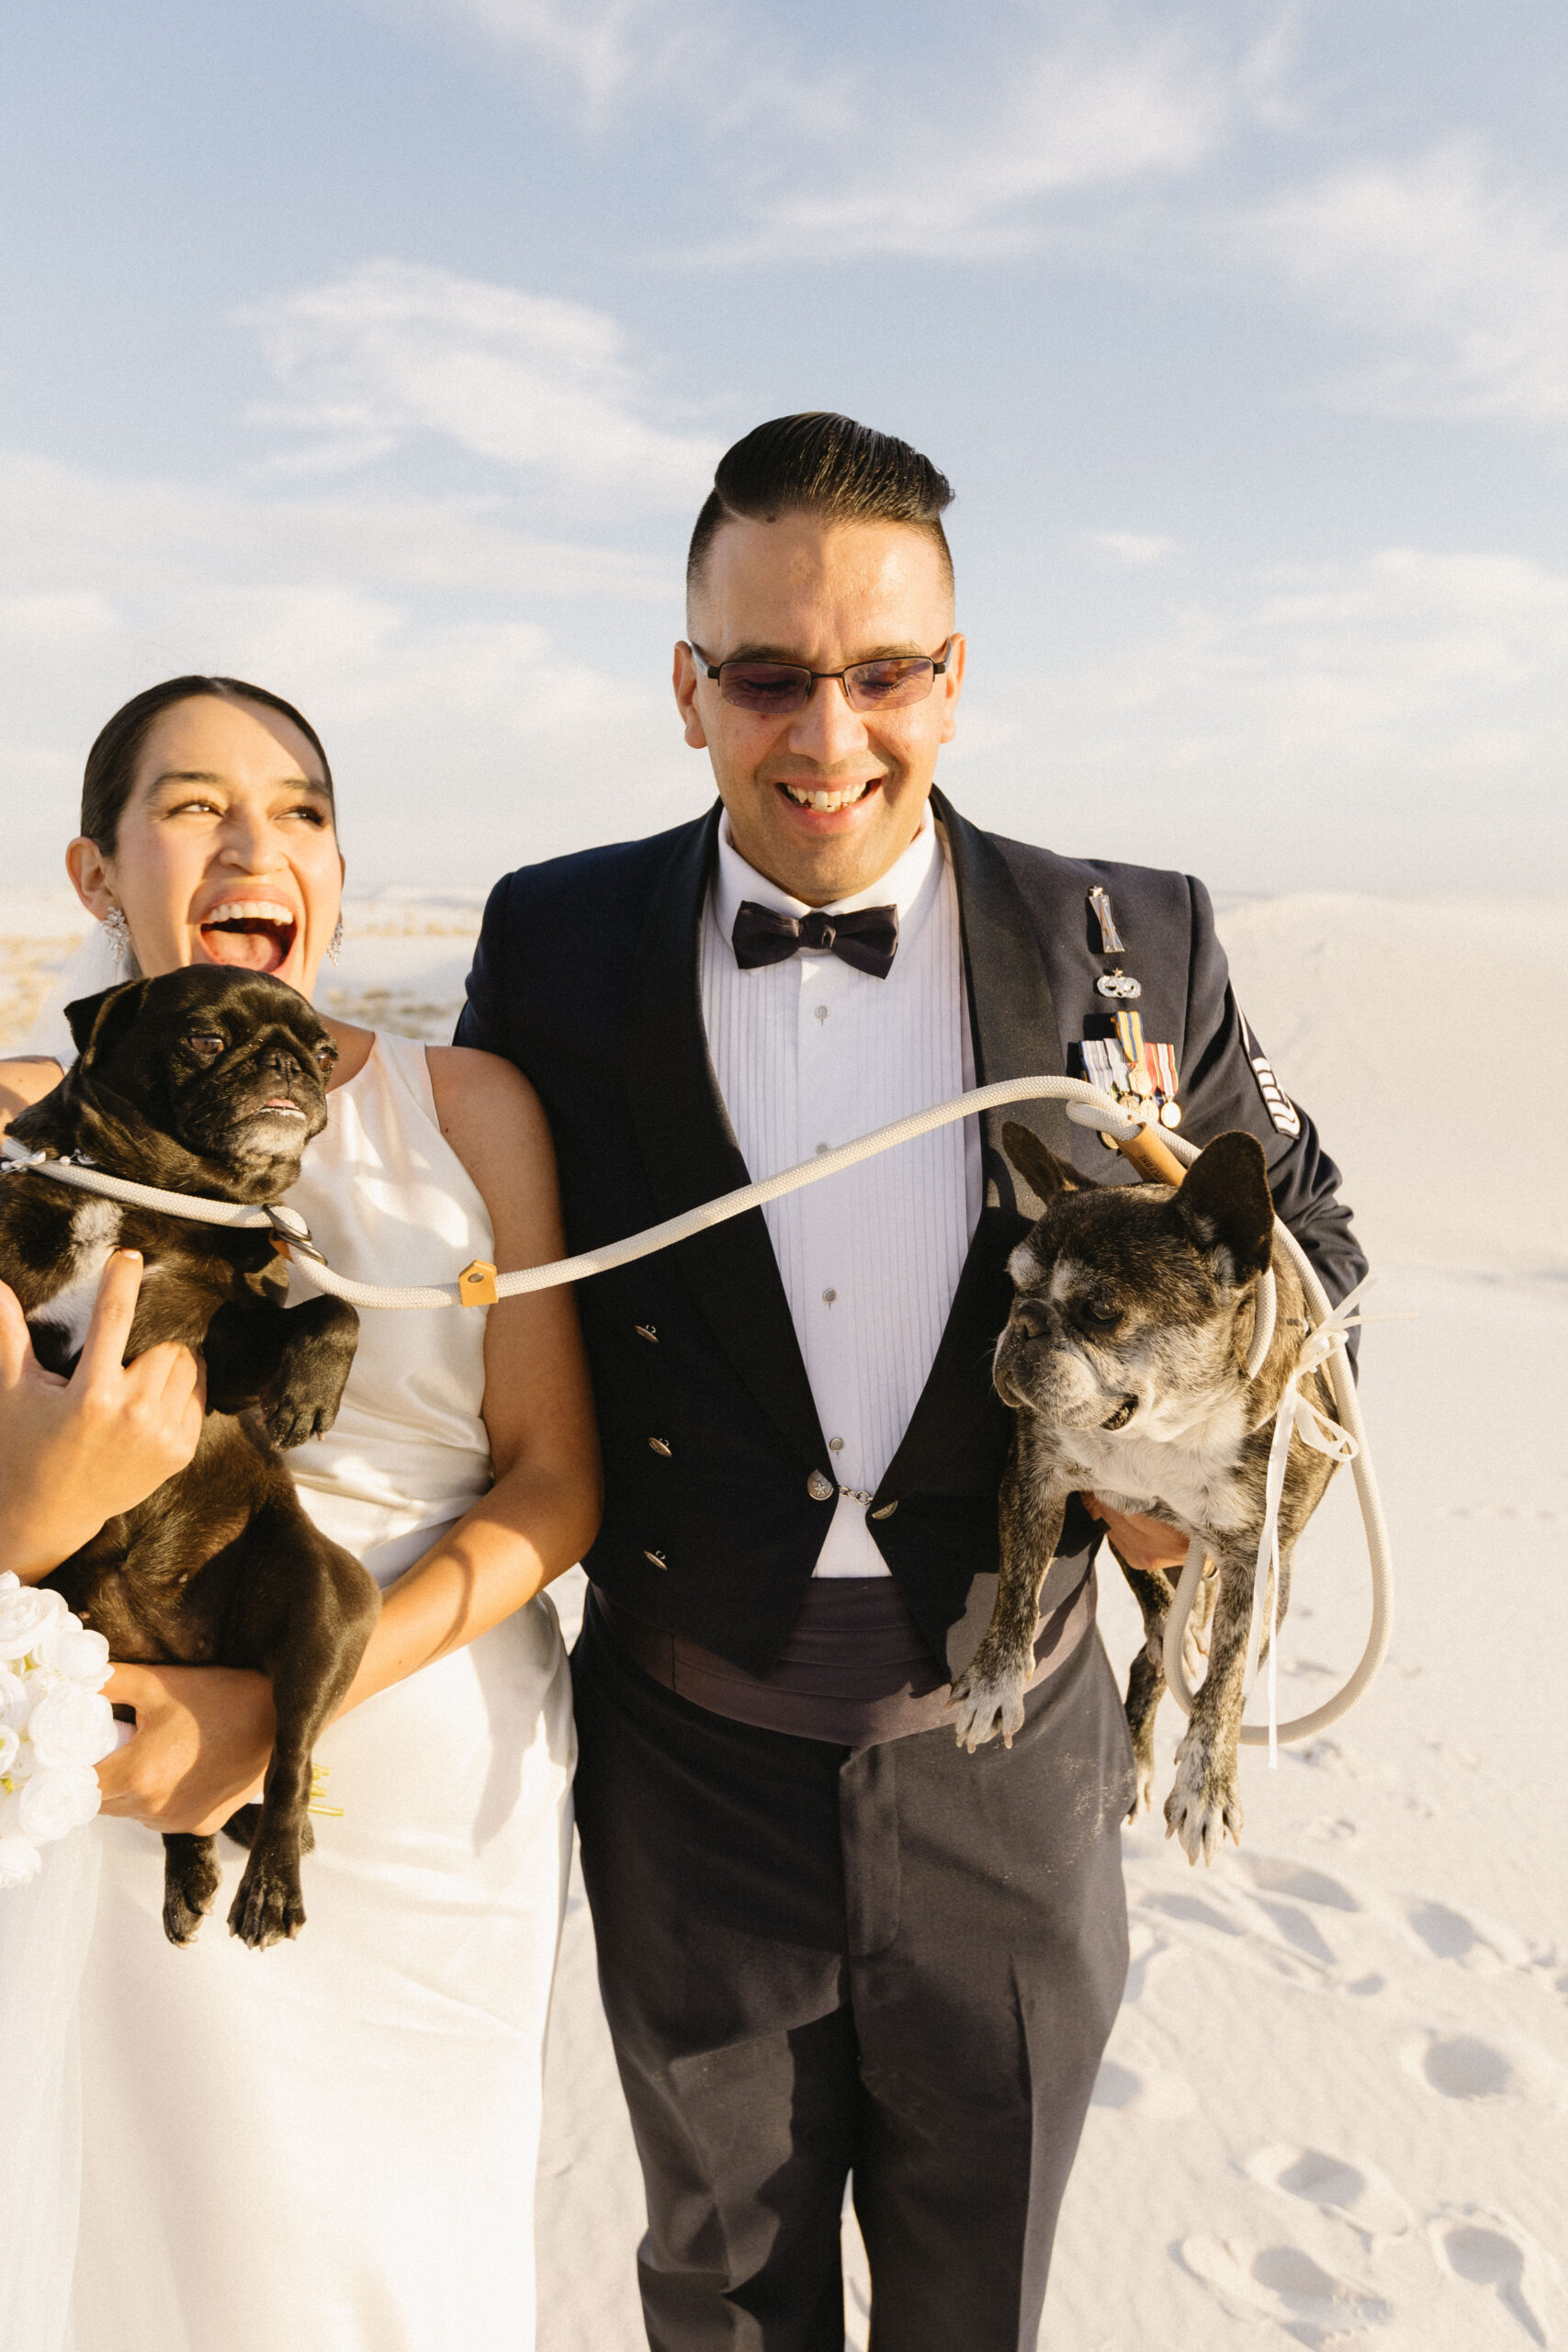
point(381, 349)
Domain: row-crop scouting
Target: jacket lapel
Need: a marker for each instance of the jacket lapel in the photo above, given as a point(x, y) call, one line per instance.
point(1013, 1018)
point(690, 1153)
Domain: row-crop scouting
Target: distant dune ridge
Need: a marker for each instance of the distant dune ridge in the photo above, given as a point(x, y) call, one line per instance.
point(1335, 2108)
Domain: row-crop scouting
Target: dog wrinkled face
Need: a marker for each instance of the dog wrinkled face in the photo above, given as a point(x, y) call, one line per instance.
point(1127, 1300)
point(233, 1065)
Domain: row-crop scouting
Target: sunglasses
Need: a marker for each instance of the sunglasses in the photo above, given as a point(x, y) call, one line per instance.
point(781, 688)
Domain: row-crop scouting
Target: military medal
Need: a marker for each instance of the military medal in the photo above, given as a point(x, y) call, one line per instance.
point(1139, 1075)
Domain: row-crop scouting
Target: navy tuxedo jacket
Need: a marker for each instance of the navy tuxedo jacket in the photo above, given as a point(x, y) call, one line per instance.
point(586, 977)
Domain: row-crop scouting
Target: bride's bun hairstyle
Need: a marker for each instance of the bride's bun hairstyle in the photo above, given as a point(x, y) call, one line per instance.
point(111, 763)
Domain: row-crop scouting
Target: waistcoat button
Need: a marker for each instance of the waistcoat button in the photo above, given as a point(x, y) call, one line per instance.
point(657, 1558)
point(820, 1489)
point(885, 1512)
point(646, 1332)
point(659, 1447)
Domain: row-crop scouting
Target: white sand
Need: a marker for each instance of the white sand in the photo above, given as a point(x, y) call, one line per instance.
point(1336, 2103)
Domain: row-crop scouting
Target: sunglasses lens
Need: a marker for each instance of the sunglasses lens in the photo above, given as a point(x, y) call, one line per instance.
point(889, 685)
point(774, 686)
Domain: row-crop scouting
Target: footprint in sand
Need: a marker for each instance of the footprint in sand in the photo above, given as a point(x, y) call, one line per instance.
point(1491, 2252)
point(1157, 2094)
point(1354, 2193)
point(1460, 2067)
point(1283, 2283)
point(1448, 1935)
point(1280, 1877)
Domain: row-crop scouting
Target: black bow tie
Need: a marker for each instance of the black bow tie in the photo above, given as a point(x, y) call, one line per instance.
point(866, 937)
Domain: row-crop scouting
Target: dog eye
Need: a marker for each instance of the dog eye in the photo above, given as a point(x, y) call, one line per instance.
point(205, 1046)
point(1096, 1312)
point(327, 1055)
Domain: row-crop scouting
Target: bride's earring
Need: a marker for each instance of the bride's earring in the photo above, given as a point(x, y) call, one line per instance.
point(117, 933)
point(335, 945)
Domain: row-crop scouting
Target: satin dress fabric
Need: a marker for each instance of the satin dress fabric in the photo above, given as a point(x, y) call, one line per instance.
point(331, 2144)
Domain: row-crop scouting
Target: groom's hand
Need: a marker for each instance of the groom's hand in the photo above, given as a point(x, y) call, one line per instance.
point(1151, 1544)
point(203, 1737)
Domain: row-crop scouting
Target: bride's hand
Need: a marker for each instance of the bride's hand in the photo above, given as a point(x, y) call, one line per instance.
point(203, 1737)
point(72, 1452)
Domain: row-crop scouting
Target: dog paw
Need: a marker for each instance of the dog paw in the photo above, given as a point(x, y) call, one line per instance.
point(1202, 1806)
point(986, 1704)
point(191, 1878)
point(269, 1905)
point(289, 1424)
point(1143, 1791)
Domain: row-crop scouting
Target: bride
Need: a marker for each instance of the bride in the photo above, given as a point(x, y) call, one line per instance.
point(331, 2144)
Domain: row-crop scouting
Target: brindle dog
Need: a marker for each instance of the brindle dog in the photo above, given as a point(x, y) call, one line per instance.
point(1124, 1361)
point(206, 1082)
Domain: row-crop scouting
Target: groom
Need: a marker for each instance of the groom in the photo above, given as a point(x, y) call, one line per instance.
point(831, 1943)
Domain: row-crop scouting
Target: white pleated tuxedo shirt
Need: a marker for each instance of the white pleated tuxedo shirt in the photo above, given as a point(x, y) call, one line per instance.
point(809, 1054)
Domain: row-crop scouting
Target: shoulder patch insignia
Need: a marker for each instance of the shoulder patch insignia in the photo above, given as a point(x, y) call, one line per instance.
point(1276, 1102)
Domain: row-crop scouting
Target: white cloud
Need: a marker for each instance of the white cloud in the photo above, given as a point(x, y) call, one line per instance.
point(541, 386)
point(460, 743)
point(1341, 725)
point(1131, 550)
point(1107, 103)
point(64, 525)
point(1444, 258)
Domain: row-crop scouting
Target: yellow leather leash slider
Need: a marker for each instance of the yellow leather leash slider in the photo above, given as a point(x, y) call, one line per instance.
point(475, 1284)
point(1152, 1157)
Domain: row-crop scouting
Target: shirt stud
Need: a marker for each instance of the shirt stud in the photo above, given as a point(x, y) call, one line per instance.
point(828, 1296)
point(835, 1445)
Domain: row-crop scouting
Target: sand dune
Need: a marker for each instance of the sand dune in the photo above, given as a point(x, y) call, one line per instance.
point(1335, 2108)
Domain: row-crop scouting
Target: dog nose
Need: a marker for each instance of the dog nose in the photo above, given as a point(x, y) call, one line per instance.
point(1029, 1317)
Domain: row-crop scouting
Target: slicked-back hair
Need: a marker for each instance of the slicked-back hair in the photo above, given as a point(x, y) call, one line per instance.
point(111, 763)
point(827, 466)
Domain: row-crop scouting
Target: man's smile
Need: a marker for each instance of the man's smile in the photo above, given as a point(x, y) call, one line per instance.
point(817, 801)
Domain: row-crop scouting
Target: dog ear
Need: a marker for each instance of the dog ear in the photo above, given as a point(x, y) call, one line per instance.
point(95, 1019)
point(1225, 1204)
point(1038, 1165)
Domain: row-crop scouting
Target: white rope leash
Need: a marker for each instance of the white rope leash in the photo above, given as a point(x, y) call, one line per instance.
point(1086, 1104)
point(1352, 1430)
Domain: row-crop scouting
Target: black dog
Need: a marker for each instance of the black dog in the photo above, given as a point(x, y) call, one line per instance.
point(209, 1082)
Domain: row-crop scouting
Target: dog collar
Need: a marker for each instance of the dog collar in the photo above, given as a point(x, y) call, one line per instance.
point(74, 1168)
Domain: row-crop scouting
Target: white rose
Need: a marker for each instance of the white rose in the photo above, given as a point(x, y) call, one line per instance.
point(53, 1803)
point(16, 1699)
point(25, 1610)
point(70, 1648)
point(18, 1862)
point(11, 1814)
point(71, 1728)
point(9, 1742)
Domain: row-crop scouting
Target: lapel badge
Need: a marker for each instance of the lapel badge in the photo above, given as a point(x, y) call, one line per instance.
point(1117, 983)
point(1137, 1072)
point(1111, 940)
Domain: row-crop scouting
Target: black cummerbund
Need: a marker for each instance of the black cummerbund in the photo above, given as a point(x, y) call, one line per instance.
point(855, 1672)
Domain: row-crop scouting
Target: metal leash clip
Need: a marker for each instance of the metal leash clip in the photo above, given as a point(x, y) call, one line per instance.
point(290, 1232)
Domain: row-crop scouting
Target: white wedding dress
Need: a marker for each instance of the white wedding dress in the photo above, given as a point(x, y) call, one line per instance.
point(330, 2146)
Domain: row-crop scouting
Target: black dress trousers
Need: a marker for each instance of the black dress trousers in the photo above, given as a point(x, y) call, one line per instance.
point(900, 1963)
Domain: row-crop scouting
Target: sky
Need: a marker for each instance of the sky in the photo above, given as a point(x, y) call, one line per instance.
point(381, 351)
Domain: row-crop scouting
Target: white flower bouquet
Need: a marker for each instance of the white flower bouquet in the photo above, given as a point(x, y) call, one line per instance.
point(55, 1725)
